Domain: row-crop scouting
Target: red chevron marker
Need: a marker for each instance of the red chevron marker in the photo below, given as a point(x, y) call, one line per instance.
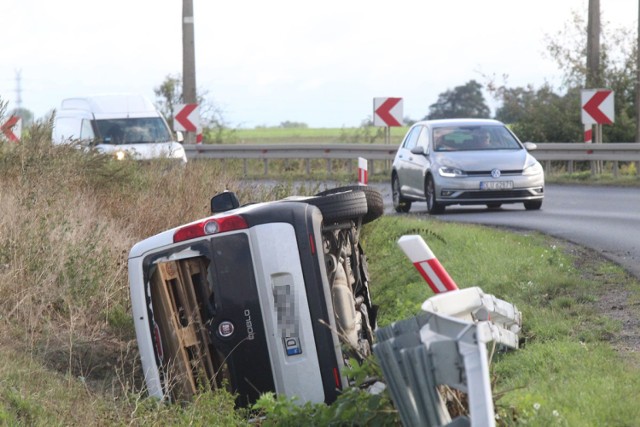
point(184, 120)
point(8, 131)
point(598, 107)
point(387, 112)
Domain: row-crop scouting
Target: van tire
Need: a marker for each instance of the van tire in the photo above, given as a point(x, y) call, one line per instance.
point(375, 204)
point(340, 206)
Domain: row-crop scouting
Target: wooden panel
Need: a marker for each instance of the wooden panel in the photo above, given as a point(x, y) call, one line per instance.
point(185, 341)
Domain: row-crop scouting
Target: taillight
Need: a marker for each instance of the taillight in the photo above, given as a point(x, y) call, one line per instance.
point(336, 377)
point(311, 242)
point(210, 226)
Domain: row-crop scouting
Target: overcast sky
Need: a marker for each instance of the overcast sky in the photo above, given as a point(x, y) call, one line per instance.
point(264, 62)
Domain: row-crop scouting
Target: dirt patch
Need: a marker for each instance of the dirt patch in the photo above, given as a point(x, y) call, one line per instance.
point(616, 299)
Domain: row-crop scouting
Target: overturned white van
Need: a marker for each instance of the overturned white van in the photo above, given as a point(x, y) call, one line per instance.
point(125, 125)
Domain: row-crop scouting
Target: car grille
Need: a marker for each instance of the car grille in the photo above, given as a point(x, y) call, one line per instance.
point(488, 173)
point(472, 195)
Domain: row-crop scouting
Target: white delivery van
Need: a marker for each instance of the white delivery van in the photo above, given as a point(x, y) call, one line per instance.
point(119, 124)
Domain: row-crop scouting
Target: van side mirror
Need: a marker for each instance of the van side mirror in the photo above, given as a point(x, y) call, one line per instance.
point(530, 146)
point(179, 136)
point(224, 202)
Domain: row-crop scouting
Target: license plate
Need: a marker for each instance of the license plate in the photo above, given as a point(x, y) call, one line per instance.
point(496, 185)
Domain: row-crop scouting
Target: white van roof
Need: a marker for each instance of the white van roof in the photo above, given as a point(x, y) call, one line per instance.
point(112, 105)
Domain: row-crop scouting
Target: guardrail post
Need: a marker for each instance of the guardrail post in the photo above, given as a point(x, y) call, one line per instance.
point(266, 167)
point(308, 166)
point(244, 166)
point(329, 167)
point(615, 169)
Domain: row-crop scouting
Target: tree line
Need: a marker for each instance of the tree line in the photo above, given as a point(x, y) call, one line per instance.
point(548, 114)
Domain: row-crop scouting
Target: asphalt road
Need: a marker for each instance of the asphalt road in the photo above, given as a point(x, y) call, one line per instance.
point(605, 219)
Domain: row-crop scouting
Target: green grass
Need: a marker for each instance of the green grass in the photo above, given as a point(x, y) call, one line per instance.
point(365, 134)
point(568, 368)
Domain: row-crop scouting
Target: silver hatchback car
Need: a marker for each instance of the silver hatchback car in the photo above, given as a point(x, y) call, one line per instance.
point(465, 162)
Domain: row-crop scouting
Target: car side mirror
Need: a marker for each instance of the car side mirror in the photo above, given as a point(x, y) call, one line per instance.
point(179, 137)
point(530, 146)
point(224, 202)
point(418, 149)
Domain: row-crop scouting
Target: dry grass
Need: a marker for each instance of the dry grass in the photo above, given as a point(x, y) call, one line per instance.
point(67, 222)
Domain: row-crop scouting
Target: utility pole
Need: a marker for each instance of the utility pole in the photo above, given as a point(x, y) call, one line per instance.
point(638, 85)
point(593, 46)
point(593, 78)
point(188, 61)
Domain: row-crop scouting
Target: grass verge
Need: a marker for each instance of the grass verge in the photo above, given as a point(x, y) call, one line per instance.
point(571, 370)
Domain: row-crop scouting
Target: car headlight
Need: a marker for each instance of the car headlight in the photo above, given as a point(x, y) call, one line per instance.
point(120, 154)
point(533, 167)
point(451, 172)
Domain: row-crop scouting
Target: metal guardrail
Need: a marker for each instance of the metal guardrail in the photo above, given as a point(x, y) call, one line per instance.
point(306, 152)
point(546, 152)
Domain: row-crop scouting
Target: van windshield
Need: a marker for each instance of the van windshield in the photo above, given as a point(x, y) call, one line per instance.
point(133, 130)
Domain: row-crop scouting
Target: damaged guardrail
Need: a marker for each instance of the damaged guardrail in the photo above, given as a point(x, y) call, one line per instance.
point(445, 345)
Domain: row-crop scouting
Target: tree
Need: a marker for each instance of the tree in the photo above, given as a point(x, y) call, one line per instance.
point(617, 70)
point(168, 95)
point(293, 125)
point(545, 115)
point(539, 115)
point(214, 127)
point(24, 114)
point(463, 101)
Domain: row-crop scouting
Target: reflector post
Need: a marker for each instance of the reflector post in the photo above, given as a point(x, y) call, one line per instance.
point(419, 253)
point(363, 174)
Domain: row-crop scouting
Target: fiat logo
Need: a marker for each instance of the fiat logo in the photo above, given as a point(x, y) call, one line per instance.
point(225, 329)
point(495, 173)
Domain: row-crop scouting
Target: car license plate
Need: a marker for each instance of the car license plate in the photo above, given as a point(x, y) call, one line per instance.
point(496, 185)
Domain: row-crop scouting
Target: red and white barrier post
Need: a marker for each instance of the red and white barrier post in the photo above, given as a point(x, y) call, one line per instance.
point(588, 133)
point(363, 174)
point(417, 250)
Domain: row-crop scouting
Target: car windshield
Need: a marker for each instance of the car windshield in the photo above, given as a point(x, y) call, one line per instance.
point(475, 137)
point(133, 130)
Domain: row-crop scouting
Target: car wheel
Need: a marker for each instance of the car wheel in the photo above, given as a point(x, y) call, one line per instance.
point(400, 204)
point(430, 193)
point(340, 206)
point(494, 205)
point(375, 204)
point(533, 205)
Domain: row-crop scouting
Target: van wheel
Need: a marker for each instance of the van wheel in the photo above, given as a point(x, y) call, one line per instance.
point(375, 204)
point(340, 206)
